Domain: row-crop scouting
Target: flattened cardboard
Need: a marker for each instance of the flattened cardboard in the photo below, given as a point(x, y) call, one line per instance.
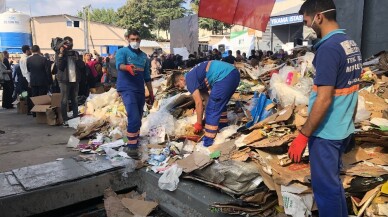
point(225, 148)
point(273, 141)
point(285, 114)
point(113, 205)
point(139, 207)
point(40, 108)
point(241, 155)
point(355, 156)
point(41, 100)
point(365, 171)
point(254, 136)
point(194, 161)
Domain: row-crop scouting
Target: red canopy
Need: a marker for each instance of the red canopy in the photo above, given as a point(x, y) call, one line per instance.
point(254, 14)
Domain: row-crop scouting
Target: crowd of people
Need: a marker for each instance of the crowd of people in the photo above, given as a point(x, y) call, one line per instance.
point(67, 72)
point(40, 74)
point(160, 63)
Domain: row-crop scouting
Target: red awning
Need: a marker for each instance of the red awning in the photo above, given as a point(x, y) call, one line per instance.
point(254, 14)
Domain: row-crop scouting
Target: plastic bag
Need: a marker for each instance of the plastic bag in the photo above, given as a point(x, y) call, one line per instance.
point(362, 113)
point(225, 133)
point(287, 95)
point(170, 178)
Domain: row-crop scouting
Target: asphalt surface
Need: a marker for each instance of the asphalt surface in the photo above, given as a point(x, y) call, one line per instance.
point(23, 142)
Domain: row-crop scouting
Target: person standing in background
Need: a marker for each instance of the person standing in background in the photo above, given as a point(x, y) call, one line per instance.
point(6, 74)
point(40, 73)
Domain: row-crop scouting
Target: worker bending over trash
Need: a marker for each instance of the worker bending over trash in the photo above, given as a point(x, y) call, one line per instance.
point(222, 80)
point(133, 70)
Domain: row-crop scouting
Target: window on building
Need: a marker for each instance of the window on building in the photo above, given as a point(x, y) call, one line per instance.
point(69, 23)
point(75, 23)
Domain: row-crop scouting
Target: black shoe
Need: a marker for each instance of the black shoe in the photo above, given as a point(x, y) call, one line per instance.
point(29, 113)
point(65, 124)
point(132, 152)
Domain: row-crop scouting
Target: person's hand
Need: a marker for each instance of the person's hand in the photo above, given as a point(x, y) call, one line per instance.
point(130, 69)
point(61, 49)
point(297, 148)
point(197, 127)
point(151, 99)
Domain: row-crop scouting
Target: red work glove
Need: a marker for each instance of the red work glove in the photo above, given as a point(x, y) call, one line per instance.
point(130, 68)
point(297, 148)
point(197, 127)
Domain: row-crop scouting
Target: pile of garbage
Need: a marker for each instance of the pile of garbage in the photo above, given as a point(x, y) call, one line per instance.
point(249, 158)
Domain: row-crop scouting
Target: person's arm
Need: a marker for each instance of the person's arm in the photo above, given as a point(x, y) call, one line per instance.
point(318, 112)
point(198, 105)
point(62, 61)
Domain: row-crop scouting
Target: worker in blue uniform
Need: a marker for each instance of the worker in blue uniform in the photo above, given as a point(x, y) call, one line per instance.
point(222, 80)
point(332, 105)
point(133, 68)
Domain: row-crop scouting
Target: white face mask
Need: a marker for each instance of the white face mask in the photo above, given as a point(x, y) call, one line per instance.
point(134, 45)
point(309, 32)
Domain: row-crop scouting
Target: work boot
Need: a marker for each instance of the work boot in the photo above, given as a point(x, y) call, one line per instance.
point(132, 152)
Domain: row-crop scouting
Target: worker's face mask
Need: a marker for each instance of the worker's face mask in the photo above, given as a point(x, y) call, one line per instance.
point(134, 45)
point(311, 32)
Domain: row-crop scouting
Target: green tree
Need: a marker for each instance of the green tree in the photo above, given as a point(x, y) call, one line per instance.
point(137, 15)
point(167, 10)
point(107, 16)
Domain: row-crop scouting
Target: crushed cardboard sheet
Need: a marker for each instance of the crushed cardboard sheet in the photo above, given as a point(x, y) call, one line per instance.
point(126, 205)
point(364, 170)
point(254, 136)
point(194, 161)
point(273, 141)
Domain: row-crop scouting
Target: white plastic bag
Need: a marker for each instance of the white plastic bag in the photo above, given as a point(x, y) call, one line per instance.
point(362, 113)
point(170, 178)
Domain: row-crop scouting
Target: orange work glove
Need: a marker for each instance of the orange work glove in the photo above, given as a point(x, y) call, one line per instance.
point(297, 148)
point(130, 68)
point(197, 127)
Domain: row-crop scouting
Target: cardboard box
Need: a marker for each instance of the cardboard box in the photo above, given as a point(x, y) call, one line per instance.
point(48, 109)
point(21, 106)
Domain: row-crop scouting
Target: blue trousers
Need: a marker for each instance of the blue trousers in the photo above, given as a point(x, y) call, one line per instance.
point(134, 105)
point(325, 163)
point(215, 112)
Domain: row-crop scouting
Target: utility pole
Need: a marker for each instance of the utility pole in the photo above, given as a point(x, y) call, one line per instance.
point(86, 10)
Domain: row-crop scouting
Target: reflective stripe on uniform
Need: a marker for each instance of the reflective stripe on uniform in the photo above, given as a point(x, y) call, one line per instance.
point(211, 127)
point(210, 135)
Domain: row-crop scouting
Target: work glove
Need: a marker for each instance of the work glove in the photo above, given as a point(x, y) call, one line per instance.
point(297, 148)
point(197, 127)
point(151, 99)
point(130, 69)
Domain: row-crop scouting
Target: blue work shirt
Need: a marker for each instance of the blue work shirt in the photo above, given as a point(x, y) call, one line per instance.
point(126, 81)
point(214, 72)
point(338, 63)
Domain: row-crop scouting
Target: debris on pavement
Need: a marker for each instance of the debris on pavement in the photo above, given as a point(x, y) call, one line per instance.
point(249, 158)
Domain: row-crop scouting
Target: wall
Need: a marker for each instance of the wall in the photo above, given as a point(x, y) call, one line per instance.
point(375, 31)
point(46, 28)
point(350, 17)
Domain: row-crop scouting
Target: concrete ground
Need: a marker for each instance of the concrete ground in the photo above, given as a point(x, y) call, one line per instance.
point(25, 142)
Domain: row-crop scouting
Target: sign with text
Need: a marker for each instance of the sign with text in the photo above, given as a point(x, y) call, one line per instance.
point(284, 20)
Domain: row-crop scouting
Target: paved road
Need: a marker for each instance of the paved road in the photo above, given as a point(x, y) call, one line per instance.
point(24, 142)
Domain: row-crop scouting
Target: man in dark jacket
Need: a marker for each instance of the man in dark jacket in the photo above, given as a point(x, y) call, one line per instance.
point(40, 75)
point(69, 67)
